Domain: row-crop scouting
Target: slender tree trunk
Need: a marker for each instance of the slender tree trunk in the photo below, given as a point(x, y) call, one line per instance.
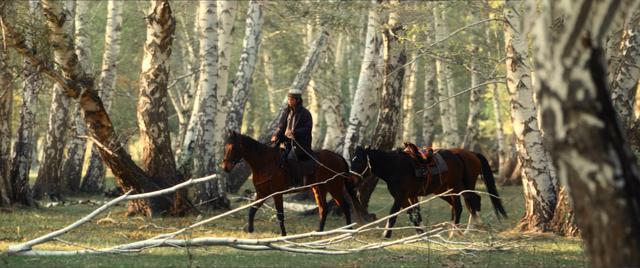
point(472, 132)
point(539, 189)
point(624, 86)
point(363, 105)
point(243, 76)
point(313, 90)
point(93, 181)
point(186, 94)
point(157, 155)
point(198, 147)
point(408, 124)
point(587, 141)
point(72, 167)
point(453, 136)
point(269, 80)
point(300, 82)
point(394, 54)
point(6, 107)
point(430, 87)
point(504, 154)
point(49, 181)
point(441, 83)
point(25, 144)
point(331, 105)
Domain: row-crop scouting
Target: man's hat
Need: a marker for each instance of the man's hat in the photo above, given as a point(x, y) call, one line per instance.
point(294, 92)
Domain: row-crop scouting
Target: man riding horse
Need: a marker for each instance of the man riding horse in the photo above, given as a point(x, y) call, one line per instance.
point(294, 132)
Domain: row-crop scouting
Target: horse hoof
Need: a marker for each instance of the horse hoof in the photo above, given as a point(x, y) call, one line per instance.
point(419, 231)
point(386, 235)
point(249, 229)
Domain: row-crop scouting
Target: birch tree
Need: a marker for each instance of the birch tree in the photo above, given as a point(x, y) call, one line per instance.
point(441, 82)
point(625, 79)
point(430, 86)
point(157, 155)
point(93, 180)
point(49, 180)
point(363, 102)
point(242, 81)
point(198, 147)
point(408, 117)
point(23, 148)
point(538, 184)
point(453, 136)
point(472, 127)
point(6, 108)
point(587, 141)
point(226, 14)
point(72, 167)
point(394, 54)
point(331, 104)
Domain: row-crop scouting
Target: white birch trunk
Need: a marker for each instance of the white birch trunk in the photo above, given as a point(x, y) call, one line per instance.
point(588, 144)
point(539, 189)
point(441, 82)
point(473, 128)
point(93, 180)
point(623, 88)
point(408, 124)
point(453, 136)
point(72, 168)
point(198, 147)
point(242, 81)
point(6, 108)
point(49, 180)
point(269, 80)
point(430, 87)
point(363, 104)
point(24, 148)
point(332, 105)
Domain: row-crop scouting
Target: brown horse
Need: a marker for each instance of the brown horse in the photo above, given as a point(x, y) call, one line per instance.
point(269, 178)
point(397, 169)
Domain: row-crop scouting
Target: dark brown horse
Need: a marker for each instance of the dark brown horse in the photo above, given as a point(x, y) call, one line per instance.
point(269, 178)
point(397, 169)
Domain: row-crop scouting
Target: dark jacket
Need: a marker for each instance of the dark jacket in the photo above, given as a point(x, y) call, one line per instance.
point(303, 124)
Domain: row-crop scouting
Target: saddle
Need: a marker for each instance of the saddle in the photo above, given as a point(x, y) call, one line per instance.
point(300, 170)
point(427, 162)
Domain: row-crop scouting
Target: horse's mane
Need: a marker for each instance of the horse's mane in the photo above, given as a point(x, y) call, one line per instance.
point(251, 144)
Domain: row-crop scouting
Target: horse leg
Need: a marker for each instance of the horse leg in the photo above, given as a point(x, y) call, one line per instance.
point(414, 215)
point(341, 201)
point(252, 213)
point(472, 202)
point(321, 201)
point(392, 221)
point(450, 201)
point(457, 208)
point(277, 200)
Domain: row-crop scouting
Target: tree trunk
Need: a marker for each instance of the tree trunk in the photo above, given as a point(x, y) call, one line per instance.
point(624, 85)
point(563, 222)
point(472, 131)
point(198, 148)
point(93, 181)
point(441, 82)
point(430, 87)
point(313, 90)
point(331, 105)
point(504, 153)
point(6, 107)
point(72, 167)
point(363, 101)
point(587, 141)
point(394, 54)
point(453, 137)
point(49, 181)
point(539, 189)
point(242, 81)
point(226, 21)
point(25, 144)
point(157, 156)
point(408, 116)
point(269, 80)
point(300, 82)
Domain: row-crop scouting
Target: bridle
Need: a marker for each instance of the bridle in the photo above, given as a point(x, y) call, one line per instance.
point(368, 167)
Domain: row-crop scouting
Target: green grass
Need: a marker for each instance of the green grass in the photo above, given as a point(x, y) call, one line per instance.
point(529, 249)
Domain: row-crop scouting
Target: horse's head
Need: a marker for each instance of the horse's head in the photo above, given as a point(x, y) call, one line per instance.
point(232, 148)
point(360, 165)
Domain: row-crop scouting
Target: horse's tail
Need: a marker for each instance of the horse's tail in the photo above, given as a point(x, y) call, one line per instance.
point(490, 183)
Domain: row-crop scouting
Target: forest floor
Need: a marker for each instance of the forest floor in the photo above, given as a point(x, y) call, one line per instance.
point(524, 250)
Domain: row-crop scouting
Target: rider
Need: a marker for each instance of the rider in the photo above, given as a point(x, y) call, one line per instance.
point(294, 131)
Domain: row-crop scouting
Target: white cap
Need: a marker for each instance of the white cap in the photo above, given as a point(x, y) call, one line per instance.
point(295, 91)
